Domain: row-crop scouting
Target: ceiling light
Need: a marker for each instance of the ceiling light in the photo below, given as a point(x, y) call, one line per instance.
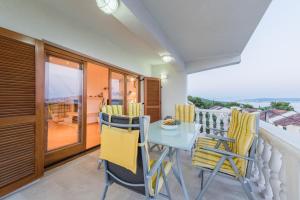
point(167, 58)
point(108, 6)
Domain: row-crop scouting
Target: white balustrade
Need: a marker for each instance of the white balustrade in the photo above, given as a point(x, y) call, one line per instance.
point(277, 174)
point(221, 116)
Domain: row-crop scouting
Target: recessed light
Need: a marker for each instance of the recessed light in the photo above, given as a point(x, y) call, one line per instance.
point(108, 6)
point(167, 58)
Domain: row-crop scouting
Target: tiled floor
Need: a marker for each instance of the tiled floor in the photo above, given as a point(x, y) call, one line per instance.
point(80, 180)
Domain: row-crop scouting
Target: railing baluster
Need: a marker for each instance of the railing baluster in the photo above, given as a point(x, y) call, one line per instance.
point(204, 121)
point(267, 152)
point(218, 121)
point(275, 165)
point(211, 121)
point(282, 177)
point(260, 163)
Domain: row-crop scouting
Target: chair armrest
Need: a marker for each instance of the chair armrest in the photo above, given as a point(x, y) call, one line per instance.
point(158, 163)
point(226, 153)
point(220, 138)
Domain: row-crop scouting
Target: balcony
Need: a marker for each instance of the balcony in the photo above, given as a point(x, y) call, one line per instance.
point(276, 175)
point(141, 51)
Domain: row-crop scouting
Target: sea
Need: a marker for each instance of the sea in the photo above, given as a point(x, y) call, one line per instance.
point(256, 104)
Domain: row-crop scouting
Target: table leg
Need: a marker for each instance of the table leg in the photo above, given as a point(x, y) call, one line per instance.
point(178, 173)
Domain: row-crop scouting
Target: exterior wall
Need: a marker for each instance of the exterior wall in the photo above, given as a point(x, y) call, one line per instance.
point(293, 129)
point(174, 88)
point(35, 19)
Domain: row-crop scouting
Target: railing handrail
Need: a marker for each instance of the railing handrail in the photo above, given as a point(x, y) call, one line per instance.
point(213, 111)
point(280, 138)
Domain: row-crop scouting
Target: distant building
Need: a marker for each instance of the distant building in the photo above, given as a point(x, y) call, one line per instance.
point(220, 108)
point(289, 120)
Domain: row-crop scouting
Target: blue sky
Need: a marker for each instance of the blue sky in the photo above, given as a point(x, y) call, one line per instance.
point(270, 64)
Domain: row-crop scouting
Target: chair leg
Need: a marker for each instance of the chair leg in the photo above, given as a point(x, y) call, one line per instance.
point(242, 181)
point(199, 175)
point(202, 179)
point(211, 177)
point(103, 195)
point(248, 192)
point(166, 184)
point(99, 164)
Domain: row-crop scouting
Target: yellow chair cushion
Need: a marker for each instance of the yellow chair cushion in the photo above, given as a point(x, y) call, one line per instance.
point(120, 146)
point(134, 109)
point(112, 109)
point(208, 142)
point(244, 135)
point(184, 113)
point(208, 159)
point(167, 166)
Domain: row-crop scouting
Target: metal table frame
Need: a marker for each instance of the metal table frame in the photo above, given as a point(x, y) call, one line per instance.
point(182, 139)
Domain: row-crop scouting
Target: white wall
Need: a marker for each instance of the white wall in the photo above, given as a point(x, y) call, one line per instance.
point(174, 89)
point(35, 19)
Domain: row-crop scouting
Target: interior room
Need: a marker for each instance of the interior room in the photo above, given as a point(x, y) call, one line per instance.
point(97, 96)
point(63, 102)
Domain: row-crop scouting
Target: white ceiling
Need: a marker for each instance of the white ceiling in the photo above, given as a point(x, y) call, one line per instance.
point(200, 34)
point(201, 31)
point(89, 16)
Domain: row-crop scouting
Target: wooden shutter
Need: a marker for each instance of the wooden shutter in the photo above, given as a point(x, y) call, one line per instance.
point(21, 96)
point(152, 90)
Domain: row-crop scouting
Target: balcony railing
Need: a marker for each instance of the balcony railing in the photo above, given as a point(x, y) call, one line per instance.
point(276, 174)
point(212, 119)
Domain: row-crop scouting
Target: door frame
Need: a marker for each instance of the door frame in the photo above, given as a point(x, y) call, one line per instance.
point(125, 74)
point(56, 155)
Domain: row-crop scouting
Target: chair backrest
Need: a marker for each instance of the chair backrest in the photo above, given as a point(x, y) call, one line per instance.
point(134, 109)
point(185, 112)
point(112, 109)
point(234, 120)
point(246, 138)
point(119, 174)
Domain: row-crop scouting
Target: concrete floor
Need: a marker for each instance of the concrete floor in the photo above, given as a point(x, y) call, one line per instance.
point(80, 180)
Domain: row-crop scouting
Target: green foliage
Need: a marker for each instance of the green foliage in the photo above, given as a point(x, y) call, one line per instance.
point(282, 106)
point(207, 104)
point(247, 106)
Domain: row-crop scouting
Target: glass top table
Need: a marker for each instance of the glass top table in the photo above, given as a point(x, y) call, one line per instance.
point(182, 138)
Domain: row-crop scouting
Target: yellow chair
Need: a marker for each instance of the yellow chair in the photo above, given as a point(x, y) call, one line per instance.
point(221, 141)
point(112, 109)
point(134, 109)
point(133, 168)
point(185, 113)
point(237, 162)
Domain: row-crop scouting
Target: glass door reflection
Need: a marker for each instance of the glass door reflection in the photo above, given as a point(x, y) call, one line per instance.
point(63, 98)
point(132, 89)
point(117, 88)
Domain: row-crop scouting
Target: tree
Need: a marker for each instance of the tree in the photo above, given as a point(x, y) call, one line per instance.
point(282, 106)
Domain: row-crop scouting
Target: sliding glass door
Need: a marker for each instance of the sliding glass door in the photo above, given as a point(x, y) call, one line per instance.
point(117, 88)
point(132, 89)
point(97, 96)
point(63, 103)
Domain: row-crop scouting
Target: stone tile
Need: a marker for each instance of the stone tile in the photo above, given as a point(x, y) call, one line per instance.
point(80, 180)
